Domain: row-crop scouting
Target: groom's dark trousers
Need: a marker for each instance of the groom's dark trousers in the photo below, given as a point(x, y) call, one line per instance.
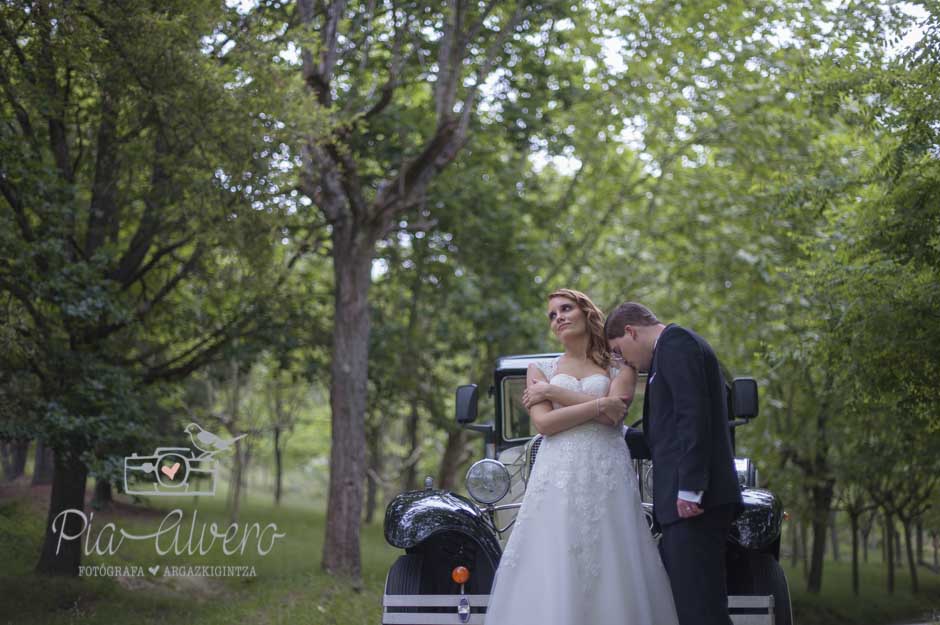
point(693, 552)
point(685, 421)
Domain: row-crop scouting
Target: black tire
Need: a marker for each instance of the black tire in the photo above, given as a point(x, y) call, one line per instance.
point(761, 574)
point(404, 578)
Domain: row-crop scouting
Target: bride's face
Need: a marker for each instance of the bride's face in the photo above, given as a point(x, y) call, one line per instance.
point(565, 317)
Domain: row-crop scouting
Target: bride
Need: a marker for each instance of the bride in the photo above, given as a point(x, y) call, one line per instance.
point(581, 551)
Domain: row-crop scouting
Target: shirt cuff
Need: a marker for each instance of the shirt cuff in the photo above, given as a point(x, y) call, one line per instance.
point(695, 496)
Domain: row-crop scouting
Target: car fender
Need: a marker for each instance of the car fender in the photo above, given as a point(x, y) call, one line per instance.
point(413, 517)
point(758, 523)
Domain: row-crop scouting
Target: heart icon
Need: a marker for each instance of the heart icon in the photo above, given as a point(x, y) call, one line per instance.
point(170, 471)
point(153, 570)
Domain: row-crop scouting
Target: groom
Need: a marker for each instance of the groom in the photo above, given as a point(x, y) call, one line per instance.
point(695, 485)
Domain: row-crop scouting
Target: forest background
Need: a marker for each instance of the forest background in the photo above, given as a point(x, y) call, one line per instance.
point(308, 222)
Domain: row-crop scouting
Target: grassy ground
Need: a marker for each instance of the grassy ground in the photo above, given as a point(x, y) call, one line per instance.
point(837, 605)
point(290, 588)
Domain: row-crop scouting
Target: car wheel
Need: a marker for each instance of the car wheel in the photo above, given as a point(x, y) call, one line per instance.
point(404, 578)
point(761, 574)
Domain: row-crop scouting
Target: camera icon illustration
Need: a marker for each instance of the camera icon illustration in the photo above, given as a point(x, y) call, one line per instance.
point(176, 471)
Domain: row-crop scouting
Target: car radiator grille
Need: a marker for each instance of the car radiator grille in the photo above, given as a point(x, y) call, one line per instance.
point(533, 450)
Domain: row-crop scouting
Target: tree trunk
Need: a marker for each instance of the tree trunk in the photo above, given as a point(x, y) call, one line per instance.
point(20, 455)
point(898, 552)
point(6, 457)
point(376, 469)
point(804, 547)
point(889, 551)
point(410, 474)
point(936, 548)
point(232, 424)
point(920, 541)
point(794, 544)
point(834, 535)
point(235, 483)
point(44, 465)
point(68, 493)
point(853, 521)
point(246, 468)
point(103, 495)
point(867, 526)
point(14, 458)
point(278, 465)
point(348, 388)
point(911, 561)
point(822, 501)
point(452, 459)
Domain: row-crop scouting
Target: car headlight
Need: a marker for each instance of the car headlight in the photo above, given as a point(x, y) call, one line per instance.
point(488, 481)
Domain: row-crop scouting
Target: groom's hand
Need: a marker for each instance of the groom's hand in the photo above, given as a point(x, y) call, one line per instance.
point(688, 509)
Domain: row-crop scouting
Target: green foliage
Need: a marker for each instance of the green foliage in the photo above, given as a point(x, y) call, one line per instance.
point(133, 216)
point(767, 175)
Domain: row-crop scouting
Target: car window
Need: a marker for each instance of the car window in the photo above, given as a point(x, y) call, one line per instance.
point(516, 421)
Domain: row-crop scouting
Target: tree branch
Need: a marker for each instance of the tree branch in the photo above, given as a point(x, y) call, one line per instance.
point(200, 354)
point(126, 271)
point(103, 208)
point(394, 71)
point(17, 51)
point(13, 198)
point(327, 190)
point(155, 258)
point(449, 59)
point(58, 135)
point(22, 117)
point(319, 76)
point(25, 299)
point(170, 284)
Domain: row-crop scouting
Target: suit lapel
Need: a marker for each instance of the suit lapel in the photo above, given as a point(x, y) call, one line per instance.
point(646, 400)
point(649, 391)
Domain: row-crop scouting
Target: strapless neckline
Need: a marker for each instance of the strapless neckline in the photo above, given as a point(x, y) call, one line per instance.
point(577, 379)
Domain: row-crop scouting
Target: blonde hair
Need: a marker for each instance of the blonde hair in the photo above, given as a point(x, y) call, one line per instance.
point(597, 349)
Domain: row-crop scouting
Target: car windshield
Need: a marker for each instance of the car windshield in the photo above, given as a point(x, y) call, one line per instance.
point(516, 422)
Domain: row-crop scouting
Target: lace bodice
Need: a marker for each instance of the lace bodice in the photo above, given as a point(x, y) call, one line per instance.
point(596, 384)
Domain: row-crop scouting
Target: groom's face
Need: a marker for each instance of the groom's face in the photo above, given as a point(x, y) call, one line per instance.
point(629, 348)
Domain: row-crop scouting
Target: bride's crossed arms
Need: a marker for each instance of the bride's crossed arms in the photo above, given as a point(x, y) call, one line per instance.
point(576, 407)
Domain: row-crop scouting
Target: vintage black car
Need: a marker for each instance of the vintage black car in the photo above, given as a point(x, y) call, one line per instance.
point(453, 543)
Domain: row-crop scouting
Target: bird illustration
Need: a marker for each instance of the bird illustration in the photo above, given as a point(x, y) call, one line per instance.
point(208, 442)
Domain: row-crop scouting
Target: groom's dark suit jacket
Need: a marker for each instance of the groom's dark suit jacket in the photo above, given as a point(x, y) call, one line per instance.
point(685, 422)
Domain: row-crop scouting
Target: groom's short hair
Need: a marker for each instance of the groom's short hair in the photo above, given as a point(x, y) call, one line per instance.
point(628, 314)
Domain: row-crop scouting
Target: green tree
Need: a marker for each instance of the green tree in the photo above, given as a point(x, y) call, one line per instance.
point(396, 87)
point(132, 172)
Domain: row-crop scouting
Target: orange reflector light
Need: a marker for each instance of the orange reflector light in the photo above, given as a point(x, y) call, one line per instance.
point(460, 574)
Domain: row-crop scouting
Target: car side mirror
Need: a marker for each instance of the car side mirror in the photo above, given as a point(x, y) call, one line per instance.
point(466, 404)
point(744, 398)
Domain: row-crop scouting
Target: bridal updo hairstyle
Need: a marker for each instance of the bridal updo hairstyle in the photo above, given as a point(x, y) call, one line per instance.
point(597, 349)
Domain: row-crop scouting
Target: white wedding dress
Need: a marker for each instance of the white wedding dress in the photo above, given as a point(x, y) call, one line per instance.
point(581, 552)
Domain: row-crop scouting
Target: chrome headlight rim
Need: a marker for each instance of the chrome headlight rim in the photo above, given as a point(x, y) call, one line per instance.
point(476, 470)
